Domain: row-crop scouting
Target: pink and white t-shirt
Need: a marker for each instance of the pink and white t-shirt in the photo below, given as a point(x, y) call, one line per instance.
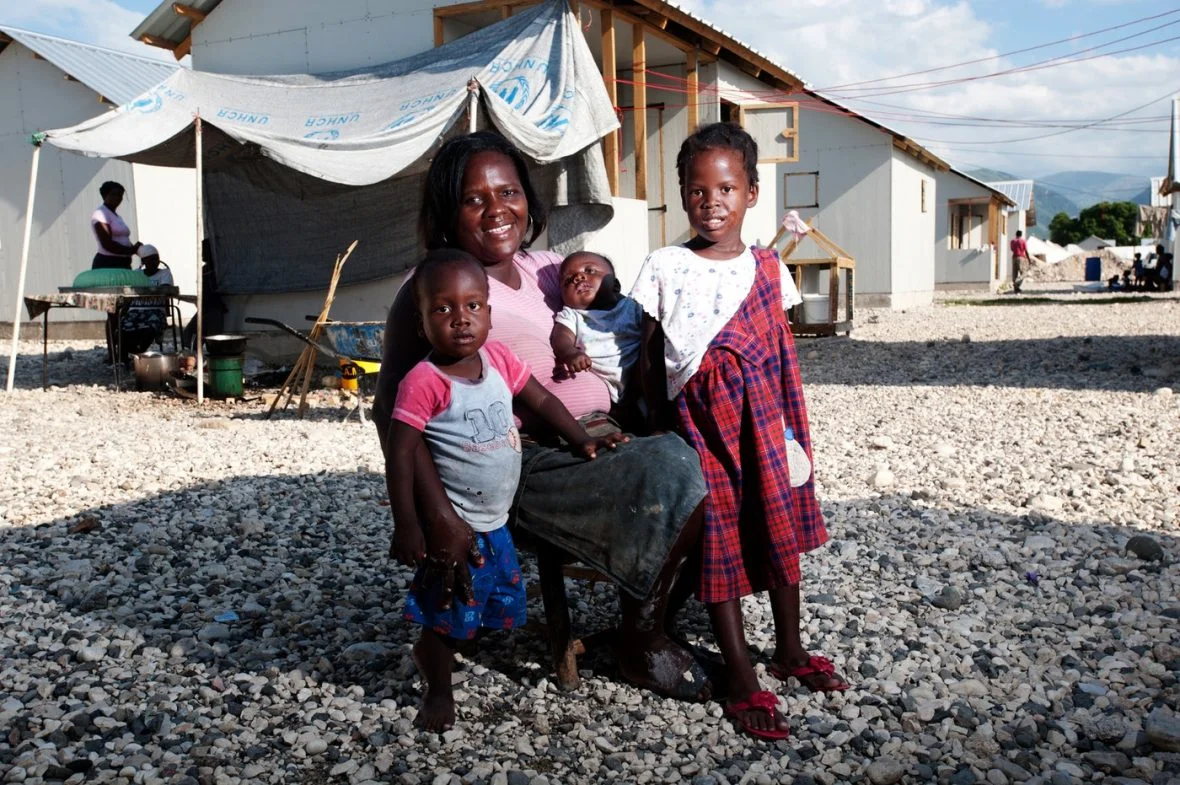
point(523, 319)
point(120, 232)
point(469, 430)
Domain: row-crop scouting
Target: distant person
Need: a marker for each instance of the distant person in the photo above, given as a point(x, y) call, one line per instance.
point(115, 248)
point(1138, 271)
point(1019, 260)
point(1160, 276)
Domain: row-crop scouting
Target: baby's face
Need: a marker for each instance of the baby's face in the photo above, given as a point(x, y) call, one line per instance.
point(583, 275)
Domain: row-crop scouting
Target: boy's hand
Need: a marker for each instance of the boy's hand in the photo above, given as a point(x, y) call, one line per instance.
point(451, 548)
point(574, 362)
point(408, 544)
point(592, 445)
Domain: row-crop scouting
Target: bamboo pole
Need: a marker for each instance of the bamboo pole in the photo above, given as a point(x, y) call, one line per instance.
point(24, 266)
point(304, 367)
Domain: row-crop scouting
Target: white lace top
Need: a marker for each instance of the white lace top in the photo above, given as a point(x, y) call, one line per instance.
point(693, 298)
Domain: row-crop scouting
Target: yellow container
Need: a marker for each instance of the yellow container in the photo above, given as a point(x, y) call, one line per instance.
point(347, 375)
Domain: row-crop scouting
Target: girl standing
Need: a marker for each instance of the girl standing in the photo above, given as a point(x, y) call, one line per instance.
point(719, 366)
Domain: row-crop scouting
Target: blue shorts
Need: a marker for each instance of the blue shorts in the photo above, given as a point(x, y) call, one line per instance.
point(499, 602)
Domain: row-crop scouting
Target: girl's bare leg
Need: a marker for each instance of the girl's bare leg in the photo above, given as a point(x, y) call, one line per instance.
point(728, 626)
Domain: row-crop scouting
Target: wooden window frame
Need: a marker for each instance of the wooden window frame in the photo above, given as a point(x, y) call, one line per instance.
point(787, 191)
point(791, 133)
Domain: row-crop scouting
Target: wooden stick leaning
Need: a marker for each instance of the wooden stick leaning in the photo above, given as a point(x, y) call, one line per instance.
point(304, 368)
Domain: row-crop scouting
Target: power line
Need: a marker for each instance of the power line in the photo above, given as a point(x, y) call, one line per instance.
point(1040, 66)
point(1006, 54)
point(1163, 97)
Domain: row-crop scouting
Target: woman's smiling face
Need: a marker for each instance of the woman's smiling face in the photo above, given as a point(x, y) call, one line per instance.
point(493, 210)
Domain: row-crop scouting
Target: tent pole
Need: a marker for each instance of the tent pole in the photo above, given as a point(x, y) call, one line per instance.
point(200, 267)
point(24, 265)
point(472, 105)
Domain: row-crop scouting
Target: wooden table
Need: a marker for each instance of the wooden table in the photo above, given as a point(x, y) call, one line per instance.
point(834, 324)
point(112, 300)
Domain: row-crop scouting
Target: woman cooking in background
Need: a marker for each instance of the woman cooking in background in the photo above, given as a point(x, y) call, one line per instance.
point(115, 248)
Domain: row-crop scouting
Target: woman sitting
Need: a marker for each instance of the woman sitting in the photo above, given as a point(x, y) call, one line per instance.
point(635, 513)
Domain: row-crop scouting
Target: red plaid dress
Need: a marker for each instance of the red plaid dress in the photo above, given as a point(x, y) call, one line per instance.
point(732, 412)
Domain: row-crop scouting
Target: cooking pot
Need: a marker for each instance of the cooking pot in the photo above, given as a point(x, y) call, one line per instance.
point(151, 369)
point(225, 345)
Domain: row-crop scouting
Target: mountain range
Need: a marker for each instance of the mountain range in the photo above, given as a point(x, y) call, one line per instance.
point(1073, 191)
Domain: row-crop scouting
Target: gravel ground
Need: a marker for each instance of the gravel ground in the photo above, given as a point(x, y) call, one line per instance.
point(202, 596)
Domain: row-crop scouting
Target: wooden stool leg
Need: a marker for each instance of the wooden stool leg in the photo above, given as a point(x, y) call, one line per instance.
point(557, 617)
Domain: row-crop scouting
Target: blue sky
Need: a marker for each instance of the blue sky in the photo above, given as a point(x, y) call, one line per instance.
point(835, 42)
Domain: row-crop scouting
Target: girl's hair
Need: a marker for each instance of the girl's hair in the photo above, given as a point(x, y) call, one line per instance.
point(444, 187)
point(109, 187)
point(719, 136)
point(438, 258)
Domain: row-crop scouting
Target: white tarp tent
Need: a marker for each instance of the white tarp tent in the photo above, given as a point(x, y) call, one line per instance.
point(281, 153)
point(539, 83)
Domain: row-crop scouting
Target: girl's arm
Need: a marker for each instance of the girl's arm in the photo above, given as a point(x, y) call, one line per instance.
point(109, 245)
point(549, 408)
point(654, 377)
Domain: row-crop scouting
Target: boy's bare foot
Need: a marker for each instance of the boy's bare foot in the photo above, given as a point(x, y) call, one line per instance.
point(434, 661)
point(658, 664)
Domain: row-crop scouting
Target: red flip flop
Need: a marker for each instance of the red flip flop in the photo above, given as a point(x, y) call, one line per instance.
point(764, 701)
point(817, 675)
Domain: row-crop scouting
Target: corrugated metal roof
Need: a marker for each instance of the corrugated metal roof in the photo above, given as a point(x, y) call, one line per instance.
point(728, 35)
point(116, 76)
point(1019, 191)
point(165, 24)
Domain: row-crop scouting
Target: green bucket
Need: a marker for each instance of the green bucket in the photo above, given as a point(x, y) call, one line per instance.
point(225, 376)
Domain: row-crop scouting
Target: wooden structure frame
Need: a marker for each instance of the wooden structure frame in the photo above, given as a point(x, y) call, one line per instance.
point(837, 261)
point(791, 132)
point(651, 19)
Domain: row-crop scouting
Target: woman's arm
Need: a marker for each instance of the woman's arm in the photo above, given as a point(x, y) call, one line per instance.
point(654, 377)
point(105, 241)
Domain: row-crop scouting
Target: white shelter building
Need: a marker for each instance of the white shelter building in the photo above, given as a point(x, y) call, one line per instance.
point(666, 70)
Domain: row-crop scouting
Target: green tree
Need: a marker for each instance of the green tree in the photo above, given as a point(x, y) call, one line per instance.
point(1110, 221)
point(1114, 221)
point(1063, 230)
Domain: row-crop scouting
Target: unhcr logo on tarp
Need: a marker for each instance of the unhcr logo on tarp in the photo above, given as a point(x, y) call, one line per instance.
point(243, 116)
point(328, 135)
point(329, 120)
point(153, 101)
point(514, 90)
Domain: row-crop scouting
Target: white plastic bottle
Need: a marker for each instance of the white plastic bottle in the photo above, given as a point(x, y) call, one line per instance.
point(798, 464)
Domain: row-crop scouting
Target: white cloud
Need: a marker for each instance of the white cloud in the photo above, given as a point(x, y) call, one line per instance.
point(99, 22)
point(834, 42)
